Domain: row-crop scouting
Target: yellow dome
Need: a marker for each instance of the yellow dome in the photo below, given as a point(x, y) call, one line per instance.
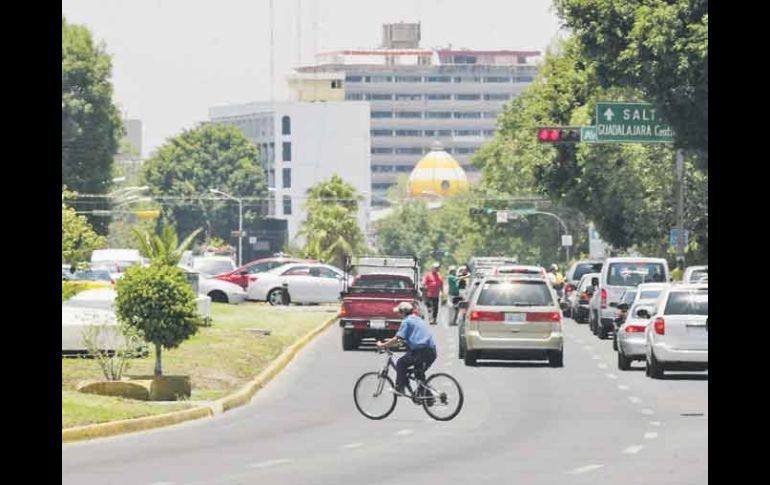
point(437, 174)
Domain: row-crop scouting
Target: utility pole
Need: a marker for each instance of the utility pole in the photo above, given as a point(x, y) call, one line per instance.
point(680, 205)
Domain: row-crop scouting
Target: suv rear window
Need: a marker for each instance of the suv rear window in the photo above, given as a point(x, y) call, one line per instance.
point(584, 269)
point(515, 293)
point(694, 302)
point(633, 274)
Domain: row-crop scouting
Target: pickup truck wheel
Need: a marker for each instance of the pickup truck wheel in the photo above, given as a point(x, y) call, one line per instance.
point(348, 340)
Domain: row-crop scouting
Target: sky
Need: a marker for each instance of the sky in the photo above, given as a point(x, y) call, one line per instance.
point(174, 59)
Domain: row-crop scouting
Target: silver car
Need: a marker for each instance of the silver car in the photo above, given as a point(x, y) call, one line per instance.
point(676, 338)
point(513, 317)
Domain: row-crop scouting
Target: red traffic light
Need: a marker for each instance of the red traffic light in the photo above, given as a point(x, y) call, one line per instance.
point(558, 135)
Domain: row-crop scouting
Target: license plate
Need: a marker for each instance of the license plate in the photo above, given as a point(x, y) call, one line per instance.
point(514, 317)
point(377, 324)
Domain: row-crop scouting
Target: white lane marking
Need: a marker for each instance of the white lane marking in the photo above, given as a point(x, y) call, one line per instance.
point(611, 376)
point(352, 445)
point(595, 357)
point(623, 387)
point(654, 423)
point(587, 347)
point(634, 399)
point(583, 469)
point(650, 435)
point(162, 483)
point(648, 412)
point(602, 366)
point(404, 432)
point(265, 464)
point(634, 449)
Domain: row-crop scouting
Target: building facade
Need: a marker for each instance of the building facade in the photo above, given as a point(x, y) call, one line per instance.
point(302, 144)
point(419, 96)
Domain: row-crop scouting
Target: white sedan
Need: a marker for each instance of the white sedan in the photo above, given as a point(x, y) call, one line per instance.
point(221, 291)
point(305, 283)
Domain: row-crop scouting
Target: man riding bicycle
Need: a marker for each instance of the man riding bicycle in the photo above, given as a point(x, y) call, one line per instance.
point(421, 348)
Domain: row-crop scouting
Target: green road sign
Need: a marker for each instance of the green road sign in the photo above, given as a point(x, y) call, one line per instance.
point(588, 134)
point(630, 122)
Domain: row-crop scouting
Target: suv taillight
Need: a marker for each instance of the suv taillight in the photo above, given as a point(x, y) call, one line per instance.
point(543, 316)
point(660, 326)
point(634, 328)
point(604, 298)
point(487, 316)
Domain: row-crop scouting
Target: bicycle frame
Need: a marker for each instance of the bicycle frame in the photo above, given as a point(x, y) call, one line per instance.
point(411, 376)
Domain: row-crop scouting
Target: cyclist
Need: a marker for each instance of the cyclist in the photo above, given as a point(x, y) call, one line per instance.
point(421, 348)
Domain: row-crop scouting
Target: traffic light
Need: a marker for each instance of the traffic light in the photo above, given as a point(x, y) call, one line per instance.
point(558, 134)
point(481, 211)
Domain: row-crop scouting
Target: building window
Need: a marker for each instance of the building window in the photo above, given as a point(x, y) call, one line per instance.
point(489, 132)
point(467, 132)
point(287, 151)
point(497, 97)
point(408, 133)
point(438, 97)
point(382, 114)
point(408, 114)
point(353, 79)
point(354, 96)
point(467, 115)
point(271, 153)
point(497, 79)
point(408, 79)
point(438, 114)
point(286, 178)
point(491, 114)
point(444, 132)
point(429, 133)
point(423, 60)
point(378, 96)
point(380, 132)
point(408, 97)
point(409, 150)
point(286, 125)
point(467, 97)
point(521, 60)
point(382, 79)
point(381, 150)
point(286, 205)
point(336, 83)
point(438, 79)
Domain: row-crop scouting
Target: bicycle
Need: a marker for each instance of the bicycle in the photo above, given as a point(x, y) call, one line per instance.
point(440, 395)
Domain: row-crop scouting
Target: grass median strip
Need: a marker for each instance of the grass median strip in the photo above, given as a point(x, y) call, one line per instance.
point(242, 341)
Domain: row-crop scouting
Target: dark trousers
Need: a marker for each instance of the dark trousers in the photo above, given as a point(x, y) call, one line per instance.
point(433, 303)
point(413, 358)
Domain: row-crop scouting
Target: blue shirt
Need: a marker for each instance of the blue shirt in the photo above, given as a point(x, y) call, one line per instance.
point(415, 332)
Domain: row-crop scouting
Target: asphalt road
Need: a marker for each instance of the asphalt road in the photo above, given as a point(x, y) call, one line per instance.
point(522, 422)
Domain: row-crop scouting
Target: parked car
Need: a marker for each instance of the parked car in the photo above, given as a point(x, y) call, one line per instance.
point(93, 275)
point(116, 261)
point(305, 283)
point(572, 278)
point(368, 303)
point(578, 303)
point(645, 294)
point(677, 336)
point(242, 275)
point(513, 317)
point(694, 274)
point(216, 290)
point(213, 265)
point(616, 275)
point(630, 338)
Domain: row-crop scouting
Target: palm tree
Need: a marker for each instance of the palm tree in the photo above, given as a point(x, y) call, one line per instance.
point(164, 248)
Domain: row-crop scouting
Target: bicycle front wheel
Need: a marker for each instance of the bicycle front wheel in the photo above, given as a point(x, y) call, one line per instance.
point(373, 395)
point(446, 397)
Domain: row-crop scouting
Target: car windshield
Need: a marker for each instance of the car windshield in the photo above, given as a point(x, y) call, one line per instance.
point(388, 282)
point(583, 269)
point(633, 274)
point(515, 293)
point(693, 302)
point(93, 275)
point(213, 266)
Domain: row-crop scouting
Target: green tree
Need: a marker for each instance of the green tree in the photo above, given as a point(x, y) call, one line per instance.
point(158, 301)
point(90, 122)
point(657, 46)
point(78, 238)
point(191, 164)
point(331, 228)
point(163, 248)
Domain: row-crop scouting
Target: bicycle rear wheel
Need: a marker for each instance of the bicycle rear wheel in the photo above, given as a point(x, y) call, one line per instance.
point(373, 396)
point(447, 397)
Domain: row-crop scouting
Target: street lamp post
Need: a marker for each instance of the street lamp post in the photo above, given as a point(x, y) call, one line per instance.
point(240, 221)
point(563, 226)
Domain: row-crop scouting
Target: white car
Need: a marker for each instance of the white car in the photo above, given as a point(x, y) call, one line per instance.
point(305, 283)
point(220, 291)
point(630, 338)
point(213, 265)
point(694, 274)
point(87, 309)
point(676, 338)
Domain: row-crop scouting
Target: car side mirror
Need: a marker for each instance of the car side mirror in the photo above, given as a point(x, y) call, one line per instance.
point(463, 304)
point(623, 306)
point(642, 313)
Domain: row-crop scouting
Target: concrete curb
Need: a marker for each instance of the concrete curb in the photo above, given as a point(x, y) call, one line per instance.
point(234, 400)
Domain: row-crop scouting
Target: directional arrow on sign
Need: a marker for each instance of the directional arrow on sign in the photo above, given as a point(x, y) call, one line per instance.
point(609, 114)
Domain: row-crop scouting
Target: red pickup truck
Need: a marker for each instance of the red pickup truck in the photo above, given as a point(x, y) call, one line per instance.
point(367, 304)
